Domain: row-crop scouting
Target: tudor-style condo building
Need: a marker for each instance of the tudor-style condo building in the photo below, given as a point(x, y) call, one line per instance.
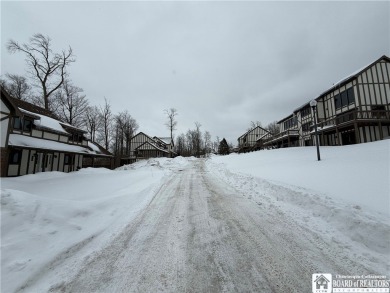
point(354, 110)
point(33, 141)
point(357, 109)
point(252, 139)
point(143, 146)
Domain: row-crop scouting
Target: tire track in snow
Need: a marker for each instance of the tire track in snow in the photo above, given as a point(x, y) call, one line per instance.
point(200, 235)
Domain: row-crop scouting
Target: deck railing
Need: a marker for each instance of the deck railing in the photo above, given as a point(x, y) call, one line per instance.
point(353, 116)
point(281, 135)
point(356, 115)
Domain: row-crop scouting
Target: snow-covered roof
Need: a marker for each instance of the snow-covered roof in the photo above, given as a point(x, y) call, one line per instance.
point(352, 76)
point(285, 118)
point(166, 140)
point(39, 143)
point(97, 148)
point(301, 107)
point(250, 130)
point(45, 122)
point(144, 147)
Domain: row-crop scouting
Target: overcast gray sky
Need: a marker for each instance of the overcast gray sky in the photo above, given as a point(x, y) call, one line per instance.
point(222, 64)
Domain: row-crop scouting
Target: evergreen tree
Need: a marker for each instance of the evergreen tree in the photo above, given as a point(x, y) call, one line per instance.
point(223, 148)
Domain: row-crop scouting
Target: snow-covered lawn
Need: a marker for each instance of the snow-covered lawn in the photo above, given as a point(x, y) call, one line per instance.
point(357, 174)
point(345, 197)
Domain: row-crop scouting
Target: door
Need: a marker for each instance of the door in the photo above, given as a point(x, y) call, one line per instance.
point(39, 162)
point(348, 137)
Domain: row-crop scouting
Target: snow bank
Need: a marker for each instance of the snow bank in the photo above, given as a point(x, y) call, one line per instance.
point(167, 163)
point(357, 174)
point(52, 218)
point(344, 198)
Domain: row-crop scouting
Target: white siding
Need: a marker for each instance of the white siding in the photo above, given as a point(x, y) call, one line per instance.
point(61, 162)
point(4, 108)
point(4, 131)
point(24, 162)
point(50, 136)
point(13, 170)
point(63, 138)
point(36, 133)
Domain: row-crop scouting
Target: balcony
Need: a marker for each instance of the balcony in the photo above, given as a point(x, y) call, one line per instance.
point(353, 116)
point(284, 135)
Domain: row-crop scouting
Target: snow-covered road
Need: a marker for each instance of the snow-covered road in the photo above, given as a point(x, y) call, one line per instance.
point(199, 234)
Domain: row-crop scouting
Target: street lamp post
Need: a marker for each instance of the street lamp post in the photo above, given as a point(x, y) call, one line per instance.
point(313, 104)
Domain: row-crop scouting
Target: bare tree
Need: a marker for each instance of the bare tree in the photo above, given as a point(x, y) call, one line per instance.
point(92, 121)
point(17, 86)
point(273, 128)
point(198, 139)
point(207, 143)
point(71, 105)
point(254, 124)
point(191, 142)
point(180, 146)
point(216, 145)
point(46, 67)
point(106, 122)
point(125, 128)
point(172, 122)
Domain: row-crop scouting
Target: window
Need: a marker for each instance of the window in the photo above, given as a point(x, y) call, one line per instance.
point(24, 124)
point(337, 101)
point(290, 122)
point(17, 123)
point(27, 125)
point(351, 96)
point(305, 112)
point(306, 127)
point(344, 98)
point(77, 137)
point(14, 157)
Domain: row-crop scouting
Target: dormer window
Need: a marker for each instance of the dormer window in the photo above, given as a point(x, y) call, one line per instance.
point(27, 125)
point(77, 137)
point(22, 124)
point(17, 123)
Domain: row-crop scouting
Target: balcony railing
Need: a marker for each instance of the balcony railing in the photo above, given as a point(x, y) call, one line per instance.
point(353, 116)
point(282, 135)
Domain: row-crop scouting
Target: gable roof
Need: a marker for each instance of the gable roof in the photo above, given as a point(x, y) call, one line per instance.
point(98, 149)
point(32, 108)
point(250, 130)
point(164, 140)
point(8, 100)
point(43, 118)
point(142, 146)
point(352, 76)
point(142, 133)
